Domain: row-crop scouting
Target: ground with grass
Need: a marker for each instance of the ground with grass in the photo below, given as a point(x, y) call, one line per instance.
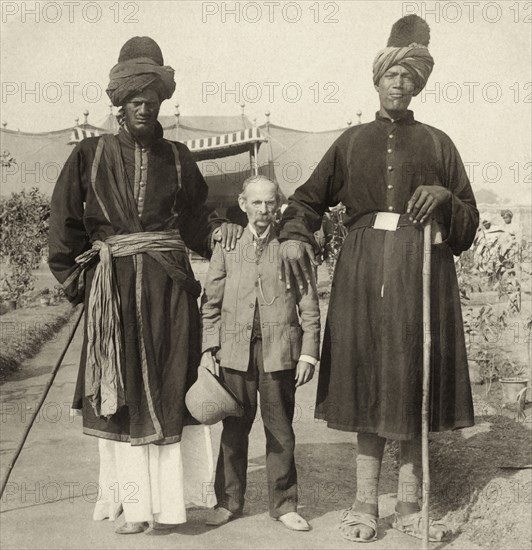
point(478, 487)
point(24, 331)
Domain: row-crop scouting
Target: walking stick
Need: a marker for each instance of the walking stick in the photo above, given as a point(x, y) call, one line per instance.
point(11, 464)
point(425, 404)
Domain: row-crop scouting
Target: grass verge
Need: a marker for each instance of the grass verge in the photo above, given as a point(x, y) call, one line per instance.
point(481, 481)
point(24, 331)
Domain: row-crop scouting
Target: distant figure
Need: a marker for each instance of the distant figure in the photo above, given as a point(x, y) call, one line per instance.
point(509, 226)
point(490, 230)
point(507, 216)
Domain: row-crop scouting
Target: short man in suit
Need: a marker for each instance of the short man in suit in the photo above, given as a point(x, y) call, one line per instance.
point(267, 339)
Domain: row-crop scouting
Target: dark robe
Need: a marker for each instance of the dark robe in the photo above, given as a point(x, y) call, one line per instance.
point(370, 375)
point(161, 345)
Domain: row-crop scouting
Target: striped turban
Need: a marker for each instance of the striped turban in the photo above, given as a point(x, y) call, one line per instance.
point(415, 59)
point(140, 66)
point(407, 47)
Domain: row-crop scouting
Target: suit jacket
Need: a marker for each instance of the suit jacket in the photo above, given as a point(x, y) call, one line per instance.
point(237, 280)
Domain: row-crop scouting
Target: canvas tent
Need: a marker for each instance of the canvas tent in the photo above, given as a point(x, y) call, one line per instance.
point(227, 148)
point(39, 156)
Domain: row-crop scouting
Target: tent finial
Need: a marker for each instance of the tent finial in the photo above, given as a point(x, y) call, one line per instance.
point(243, 116)
point(177, 114)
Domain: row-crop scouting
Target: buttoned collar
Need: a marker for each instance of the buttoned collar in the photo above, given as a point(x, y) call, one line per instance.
point(125, 137)
point(408, 118)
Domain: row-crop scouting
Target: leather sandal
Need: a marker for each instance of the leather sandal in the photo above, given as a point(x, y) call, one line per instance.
point(132, 528)
point(351, 519)
point(412, 524)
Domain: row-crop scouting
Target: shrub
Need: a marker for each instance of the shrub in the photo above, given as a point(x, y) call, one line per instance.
point(495, 262)
point(23, 239)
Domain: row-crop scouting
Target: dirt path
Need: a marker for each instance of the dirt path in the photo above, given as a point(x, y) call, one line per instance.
point(52, 489)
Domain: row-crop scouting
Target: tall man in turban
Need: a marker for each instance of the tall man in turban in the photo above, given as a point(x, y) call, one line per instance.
point(393, 175)
point(124, 210)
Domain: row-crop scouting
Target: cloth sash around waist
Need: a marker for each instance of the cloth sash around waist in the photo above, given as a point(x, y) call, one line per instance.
point(104, 386)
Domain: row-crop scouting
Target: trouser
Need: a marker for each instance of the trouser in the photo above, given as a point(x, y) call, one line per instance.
point(155, 482)
point(277, 397)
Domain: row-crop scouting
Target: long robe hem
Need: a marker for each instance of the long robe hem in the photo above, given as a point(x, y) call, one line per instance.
point(388, 435)
point(155, 438)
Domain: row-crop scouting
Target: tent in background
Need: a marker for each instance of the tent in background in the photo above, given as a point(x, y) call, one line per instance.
point(225, 147)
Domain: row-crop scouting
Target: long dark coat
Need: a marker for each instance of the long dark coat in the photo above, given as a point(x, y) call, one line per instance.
point(161, 345)
point(370, 372)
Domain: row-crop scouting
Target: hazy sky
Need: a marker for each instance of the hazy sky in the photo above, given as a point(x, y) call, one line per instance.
point(308, 63)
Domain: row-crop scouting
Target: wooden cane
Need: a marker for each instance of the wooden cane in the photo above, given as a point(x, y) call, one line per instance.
point(28, 427)
point(425, 404)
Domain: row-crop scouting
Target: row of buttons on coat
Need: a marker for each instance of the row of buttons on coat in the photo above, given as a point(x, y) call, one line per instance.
point(142, 183)
point(390, 169)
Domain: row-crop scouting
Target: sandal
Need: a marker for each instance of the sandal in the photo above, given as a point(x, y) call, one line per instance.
point(412, 524)
point(351, 518)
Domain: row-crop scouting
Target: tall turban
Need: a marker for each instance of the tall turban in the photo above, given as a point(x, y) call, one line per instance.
point(415, 59)
point(407, 47)
point(140, 66)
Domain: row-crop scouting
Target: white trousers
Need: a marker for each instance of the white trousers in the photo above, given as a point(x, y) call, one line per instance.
point(156, 482)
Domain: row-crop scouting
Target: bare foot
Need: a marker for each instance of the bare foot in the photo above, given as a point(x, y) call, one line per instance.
point(357, 526)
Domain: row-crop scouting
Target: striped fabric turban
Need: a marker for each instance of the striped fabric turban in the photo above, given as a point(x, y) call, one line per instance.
point(140, 66)
point(407, 47)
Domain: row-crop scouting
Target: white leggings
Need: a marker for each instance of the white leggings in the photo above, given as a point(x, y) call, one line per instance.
point(156, 482)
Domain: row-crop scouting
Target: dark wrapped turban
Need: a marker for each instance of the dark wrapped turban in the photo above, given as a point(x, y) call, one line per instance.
point(407, 47)
point(140, 66)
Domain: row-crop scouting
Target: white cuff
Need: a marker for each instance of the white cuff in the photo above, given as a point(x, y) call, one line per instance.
point(308, 359)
